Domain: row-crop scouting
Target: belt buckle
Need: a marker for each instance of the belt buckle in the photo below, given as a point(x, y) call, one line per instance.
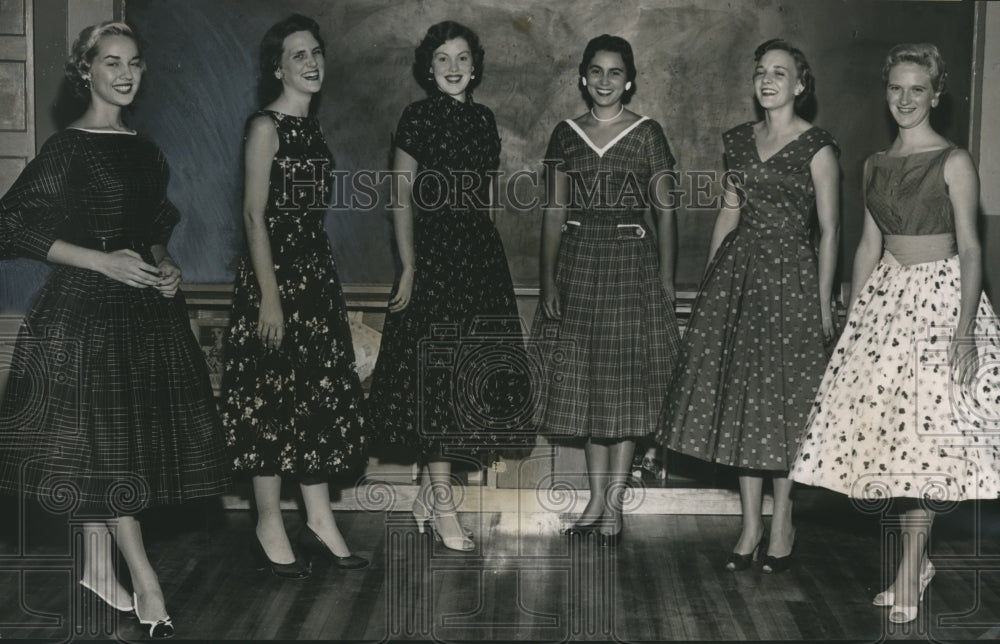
point(638, 232)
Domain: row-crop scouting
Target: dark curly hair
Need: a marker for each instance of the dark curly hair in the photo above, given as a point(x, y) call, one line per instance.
point(85, 49)
point(438, 35)
point(273, 46)
point(923, 54)
point(615, 45)
point(802, 68)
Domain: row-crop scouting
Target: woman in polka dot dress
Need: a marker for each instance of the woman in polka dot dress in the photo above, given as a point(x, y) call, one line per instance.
point(754, 346)
point(909, 408)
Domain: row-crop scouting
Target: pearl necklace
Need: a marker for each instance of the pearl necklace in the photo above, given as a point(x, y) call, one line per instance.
point(620, 111)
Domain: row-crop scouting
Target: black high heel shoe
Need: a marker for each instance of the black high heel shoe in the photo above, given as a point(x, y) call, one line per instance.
point(312, 544)
point(771, 564)
point(161, 629)
point(736, 562)
point(294, 570)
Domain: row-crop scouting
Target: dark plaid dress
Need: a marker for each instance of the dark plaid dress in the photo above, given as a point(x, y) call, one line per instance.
point(443, 384)
point(754, 350)
point(108, 408)
point(297, 409)
point(609, 360)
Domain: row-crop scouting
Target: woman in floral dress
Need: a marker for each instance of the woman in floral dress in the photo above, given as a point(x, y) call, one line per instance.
point(291, 397)
point(909, 408)
point(454, 287)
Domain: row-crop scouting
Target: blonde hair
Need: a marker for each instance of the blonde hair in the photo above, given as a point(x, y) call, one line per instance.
point(923, 54)
point(85, 48)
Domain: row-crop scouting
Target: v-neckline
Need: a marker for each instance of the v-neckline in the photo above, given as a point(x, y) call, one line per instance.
point(610, 144)
point(756, 148)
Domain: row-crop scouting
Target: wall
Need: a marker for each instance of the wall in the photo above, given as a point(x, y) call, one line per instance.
point(694, 60)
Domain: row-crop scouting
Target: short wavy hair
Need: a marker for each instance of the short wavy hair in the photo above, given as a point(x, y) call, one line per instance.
point(272, 46)
point(923, 54)
point(84, 49)
point(615, 45)
point(438, 35)
point(802, 68)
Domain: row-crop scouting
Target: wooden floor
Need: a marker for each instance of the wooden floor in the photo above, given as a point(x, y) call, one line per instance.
point(664, 582)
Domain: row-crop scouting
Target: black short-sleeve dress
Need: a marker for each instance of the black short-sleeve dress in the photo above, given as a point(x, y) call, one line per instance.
point(108, 408)
point(441, 384)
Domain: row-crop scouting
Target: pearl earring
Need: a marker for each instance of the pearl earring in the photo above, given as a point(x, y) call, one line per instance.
point(628, 86)
point(583, 81)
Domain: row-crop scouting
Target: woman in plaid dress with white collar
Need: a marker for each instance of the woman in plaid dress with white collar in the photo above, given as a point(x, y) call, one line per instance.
point(607, 281)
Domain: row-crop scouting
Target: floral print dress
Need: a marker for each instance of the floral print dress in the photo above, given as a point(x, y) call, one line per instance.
point(296, 409)
point(889, 419)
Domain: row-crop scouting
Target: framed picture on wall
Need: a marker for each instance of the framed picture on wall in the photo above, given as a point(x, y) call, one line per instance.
point(210, 332)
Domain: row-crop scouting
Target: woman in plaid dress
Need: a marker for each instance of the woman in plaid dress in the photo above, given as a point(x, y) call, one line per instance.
point(606, 321)
point(754, 346)
point(108, 409)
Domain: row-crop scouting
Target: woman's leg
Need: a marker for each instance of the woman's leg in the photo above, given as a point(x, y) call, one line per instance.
point(598, 466)
point(98, 569)
point(751, 494)
point(319, 517)
point(442, 504)
point(150, 605)
point(782, 532)
point(914, 538)
point(270, 524)
point(619, 461)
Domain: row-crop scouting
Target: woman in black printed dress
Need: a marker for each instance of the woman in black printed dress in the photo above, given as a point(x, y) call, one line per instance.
point(108, 409)
point(291, 396)
point(454, 284)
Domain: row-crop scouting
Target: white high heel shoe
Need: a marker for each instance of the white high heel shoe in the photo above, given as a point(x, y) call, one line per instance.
point(887, 597)
point(906, 614)
point(463, 543)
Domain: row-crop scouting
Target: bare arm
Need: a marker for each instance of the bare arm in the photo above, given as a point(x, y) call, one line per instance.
point(826, 180)
point(261, 146)
point(727, 219)
point(868, 253)
point(553, 219)
point(666, 237)
point(963, 189)
point(402, 218)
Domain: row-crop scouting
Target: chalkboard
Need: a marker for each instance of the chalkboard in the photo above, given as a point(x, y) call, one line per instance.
point(694, 59)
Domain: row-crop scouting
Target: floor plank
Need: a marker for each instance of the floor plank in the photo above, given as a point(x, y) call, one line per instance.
point(665, 582)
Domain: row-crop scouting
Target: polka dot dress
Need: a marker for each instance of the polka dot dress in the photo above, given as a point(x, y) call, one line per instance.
point(891, 419)
point(753, 350)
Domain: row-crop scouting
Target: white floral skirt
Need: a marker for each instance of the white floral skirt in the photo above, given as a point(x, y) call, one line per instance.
point(891, 418)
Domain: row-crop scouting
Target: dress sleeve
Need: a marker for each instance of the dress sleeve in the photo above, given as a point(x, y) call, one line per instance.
point(556, 150)
point(165, 215)
point(658, 150)
point(819, 140)
point(35, 206)
point(409, 137)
